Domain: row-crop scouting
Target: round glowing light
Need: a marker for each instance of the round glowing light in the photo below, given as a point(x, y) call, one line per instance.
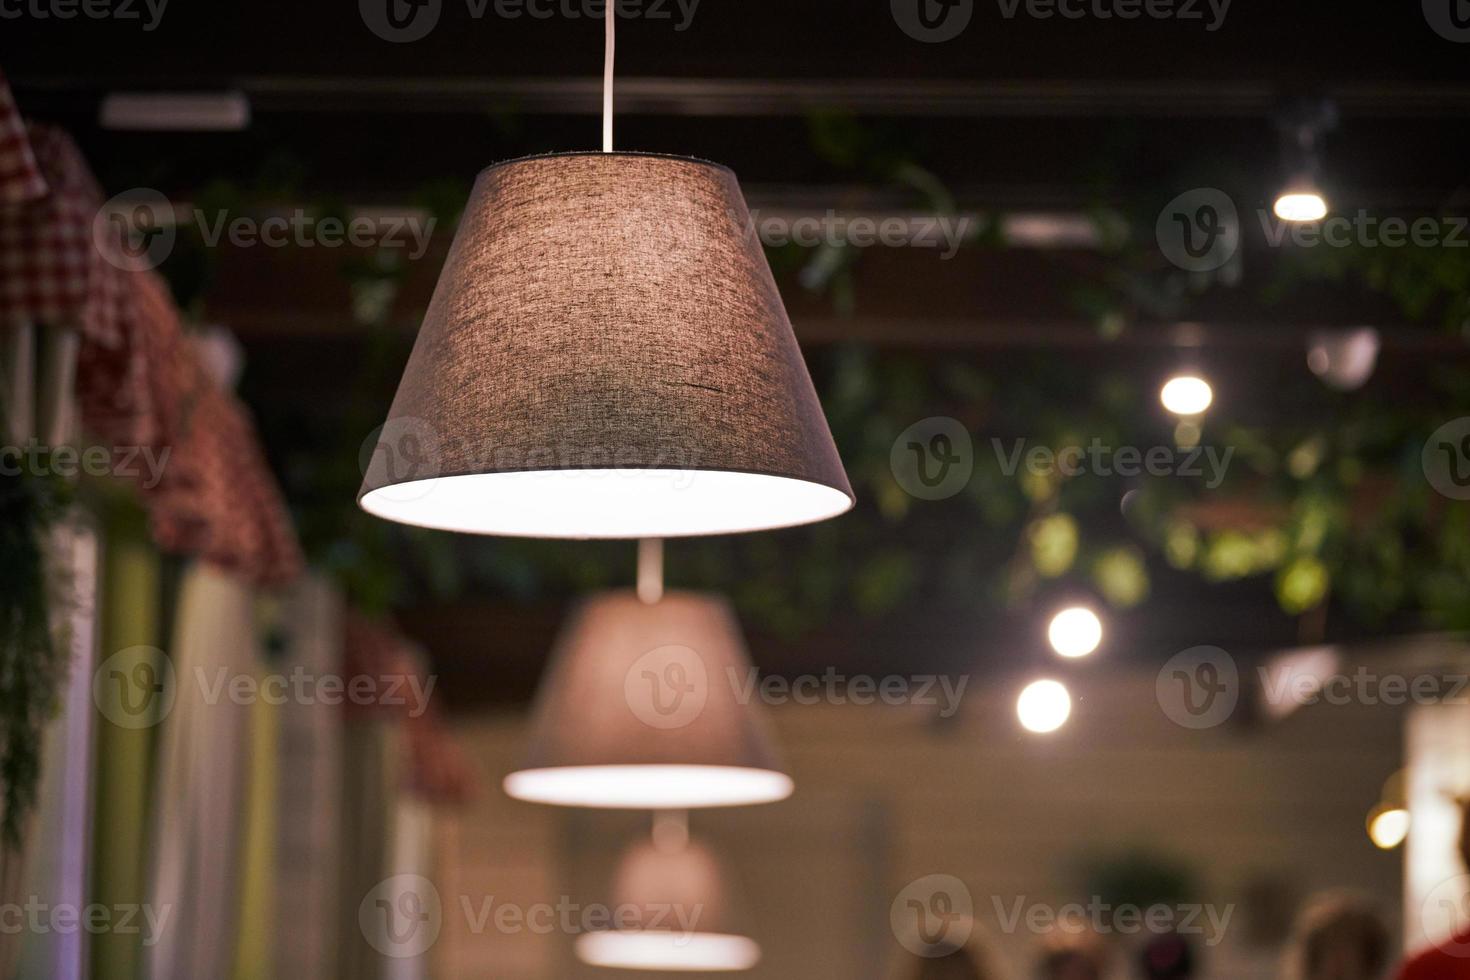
point(1186, 395)
point(654, 949)
point(1044, 706)
point(649, 787)
point(1388, 826)
point(1075, 632)
point(1301, 206)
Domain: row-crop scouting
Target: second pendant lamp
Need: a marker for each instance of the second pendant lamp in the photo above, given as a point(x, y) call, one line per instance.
point(642, 708)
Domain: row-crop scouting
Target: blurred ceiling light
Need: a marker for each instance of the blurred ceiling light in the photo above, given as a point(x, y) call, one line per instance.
point(1295, 677)
point(1343, 359)
point(637, 710)
point(1389, 821)
point(1186, 395)
point(680, 889)
point(1388, 826)
point(1300, 204)
point(1044, 706)
point(175, 111)
point(1075, 632)
point(1302, 124)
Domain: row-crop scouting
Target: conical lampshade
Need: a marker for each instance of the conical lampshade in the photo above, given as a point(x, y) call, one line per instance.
point(605, 356)
point(649, 706)
point(682, 913)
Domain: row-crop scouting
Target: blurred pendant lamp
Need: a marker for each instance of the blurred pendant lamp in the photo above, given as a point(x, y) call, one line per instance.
point(683, 914)
point(605, 356)
point(640, 708)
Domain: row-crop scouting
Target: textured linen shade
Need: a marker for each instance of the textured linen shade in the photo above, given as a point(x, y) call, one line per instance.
point(641, 707)
point(683, 910)
point(605, 356)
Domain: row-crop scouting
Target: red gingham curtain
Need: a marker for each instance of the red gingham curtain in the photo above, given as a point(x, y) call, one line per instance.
point(139, 382)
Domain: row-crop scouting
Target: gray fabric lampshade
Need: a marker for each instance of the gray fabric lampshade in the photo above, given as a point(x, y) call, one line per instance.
point(645, 706)
point(605, 356)
point(679, 912)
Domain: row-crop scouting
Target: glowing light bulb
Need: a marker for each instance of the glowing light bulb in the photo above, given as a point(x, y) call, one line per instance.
point(1300, 205)
point(1075, 632)
point(1388, 826)
point(1186, 395)
point(1044, 706)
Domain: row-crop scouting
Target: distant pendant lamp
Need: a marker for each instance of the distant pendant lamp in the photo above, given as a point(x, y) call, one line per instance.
point(642, 708)
point(686, 896)
point(606, 356)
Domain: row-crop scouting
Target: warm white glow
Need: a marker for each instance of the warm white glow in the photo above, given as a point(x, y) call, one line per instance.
point(635, 787)
point(1388, 827)
point(622, 503)
point(1301, 206)
point(1044, 706)
point(1075, 632)
point(1186, 395)
point(667, 950)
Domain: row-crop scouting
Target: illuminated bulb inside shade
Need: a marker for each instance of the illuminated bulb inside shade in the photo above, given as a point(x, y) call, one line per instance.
point(1044, 706)
point(667, 950)
point(1301, 206)
point(609, 503)
point(1388, 827)
point(1186, 395)
point(649, 787)
point(1075, 632)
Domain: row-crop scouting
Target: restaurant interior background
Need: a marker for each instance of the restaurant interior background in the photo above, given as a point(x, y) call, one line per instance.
point(1153, 594)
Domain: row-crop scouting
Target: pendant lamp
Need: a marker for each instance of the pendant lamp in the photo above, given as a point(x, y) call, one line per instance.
point(681, 914)
point(605, 356)
point(642, 707)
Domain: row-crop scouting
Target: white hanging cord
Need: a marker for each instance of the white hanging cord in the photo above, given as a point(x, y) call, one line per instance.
point(670, 830)
point(650, 569)
point(611, 16)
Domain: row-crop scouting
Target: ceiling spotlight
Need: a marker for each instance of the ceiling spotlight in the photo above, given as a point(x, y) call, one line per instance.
point(1075, 632)
point(1302, 125)
point(1044, 706)
point(1186, 395)
point(1301, 204)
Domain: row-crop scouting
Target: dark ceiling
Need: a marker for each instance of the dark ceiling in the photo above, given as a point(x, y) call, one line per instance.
point(1015, 112)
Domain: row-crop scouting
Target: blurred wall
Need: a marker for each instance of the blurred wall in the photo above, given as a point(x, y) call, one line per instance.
point(1263, 818)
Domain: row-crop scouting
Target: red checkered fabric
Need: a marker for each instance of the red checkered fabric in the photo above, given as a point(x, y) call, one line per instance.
point(51, 271)
point(139, 381)
point(20, 177)
point(217, 499)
